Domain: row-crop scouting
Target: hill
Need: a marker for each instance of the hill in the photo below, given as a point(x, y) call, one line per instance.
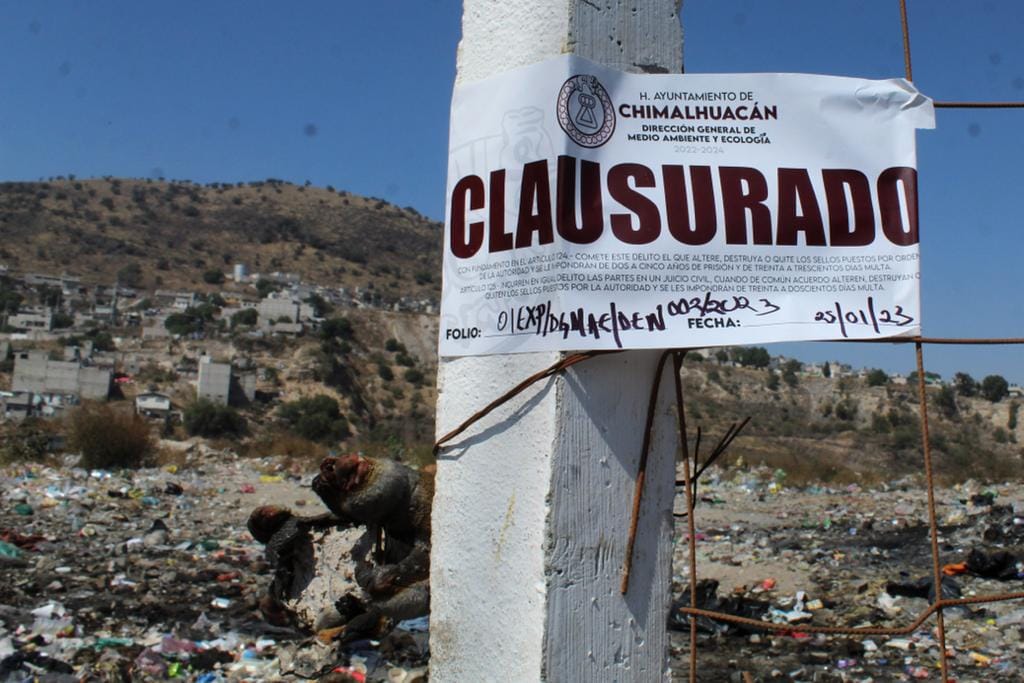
point(160, 234)
point(859, 427)
point(379, 364)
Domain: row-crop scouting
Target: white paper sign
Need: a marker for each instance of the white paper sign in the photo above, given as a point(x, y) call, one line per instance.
point(593, 209)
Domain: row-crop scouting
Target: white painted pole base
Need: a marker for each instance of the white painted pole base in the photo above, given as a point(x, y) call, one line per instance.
point(531, 520)
point(533, 504)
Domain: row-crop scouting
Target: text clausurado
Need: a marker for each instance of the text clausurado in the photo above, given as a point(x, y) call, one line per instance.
point(849, 205)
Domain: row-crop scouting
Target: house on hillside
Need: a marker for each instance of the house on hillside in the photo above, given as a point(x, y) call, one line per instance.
point(220, 383)
point(32, 318)
point(15, 405)
point(214, 383)
point(79, 353)
point(35, 372)
point(43, 279)
point(153, 404)
point(179, 301)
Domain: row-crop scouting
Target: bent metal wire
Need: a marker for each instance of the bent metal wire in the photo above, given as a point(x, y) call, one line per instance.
point(689, 478)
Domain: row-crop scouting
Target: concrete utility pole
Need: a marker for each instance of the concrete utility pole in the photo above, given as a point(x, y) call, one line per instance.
point(533, 504)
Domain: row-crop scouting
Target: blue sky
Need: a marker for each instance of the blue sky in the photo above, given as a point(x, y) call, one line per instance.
point(356, 95)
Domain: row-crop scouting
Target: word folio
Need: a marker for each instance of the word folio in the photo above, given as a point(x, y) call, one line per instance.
point(593, 209)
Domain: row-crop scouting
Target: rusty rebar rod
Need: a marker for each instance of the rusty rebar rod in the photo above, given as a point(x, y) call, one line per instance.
point(933, 524)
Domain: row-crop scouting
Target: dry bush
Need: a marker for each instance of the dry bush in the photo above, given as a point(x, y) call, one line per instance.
point(287, 444)
point(109, 438)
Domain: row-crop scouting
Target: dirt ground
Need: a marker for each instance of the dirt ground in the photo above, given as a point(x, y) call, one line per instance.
point(852, 557)
point(151, 575)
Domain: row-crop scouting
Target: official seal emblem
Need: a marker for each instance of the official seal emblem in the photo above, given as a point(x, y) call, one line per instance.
point(585, 112)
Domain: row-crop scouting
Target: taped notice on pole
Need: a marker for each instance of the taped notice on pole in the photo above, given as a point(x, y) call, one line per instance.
point(593, 209)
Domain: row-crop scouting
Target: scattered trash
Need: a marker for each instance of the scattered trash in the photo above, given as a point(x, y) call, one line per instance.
point(822, 556)
point(151, 575)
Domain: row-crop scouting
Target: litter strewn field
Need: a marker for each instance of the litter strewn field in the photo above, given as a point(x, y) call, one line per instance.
point(151, 575)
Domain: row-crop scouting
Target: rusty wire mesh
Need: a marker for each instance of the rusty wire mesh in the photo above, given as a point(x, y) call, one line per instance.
point(938, 604)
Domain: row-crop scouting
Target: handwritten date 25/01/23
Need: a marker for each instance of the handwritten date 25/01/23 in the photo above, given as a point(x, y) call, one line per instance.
point(868, 315)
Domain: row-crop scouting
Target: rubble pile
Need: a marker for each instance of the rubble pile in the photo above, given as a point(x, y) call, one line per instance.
point(151, 575)
point(848, 557)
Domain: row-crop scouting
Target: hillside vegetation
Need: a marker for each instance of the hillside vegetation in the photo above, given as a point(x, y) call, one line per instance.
point(177, 231)
point(363, 376)
point(839, 430)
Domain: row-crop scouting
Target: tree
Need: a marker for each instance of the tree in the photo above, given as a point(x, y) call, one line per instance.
point(265, 287)
point(965, 384)
point(213, 277)
point(109, 438)
point(102, 341)
point(336, 328)
point(209, 419)
point(946, 401)
point(10, 300)
point(877, 378)
point(753, 356)
point(317, 418)
point(130, 275)
point(789, 370)
point(62, 320)
point(321, 306)
point(248, 316)
point(994, 388)
point(190, 320)
point(50, 296)
point(826, 370)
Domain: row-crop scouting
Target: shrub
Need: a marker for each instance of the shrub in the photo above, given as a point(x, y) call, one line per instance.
point(316, 418)
point(846, 409)
point(109, 438)
point(130, 275)
point(28, 440)
point(877, 378)
point(414, 376)
point(385, 373)
point(393, 345)
point(209, 419)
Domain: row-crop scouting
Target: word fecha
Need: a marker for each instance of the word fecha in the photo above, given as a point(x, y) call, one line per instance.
point(742, 204)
